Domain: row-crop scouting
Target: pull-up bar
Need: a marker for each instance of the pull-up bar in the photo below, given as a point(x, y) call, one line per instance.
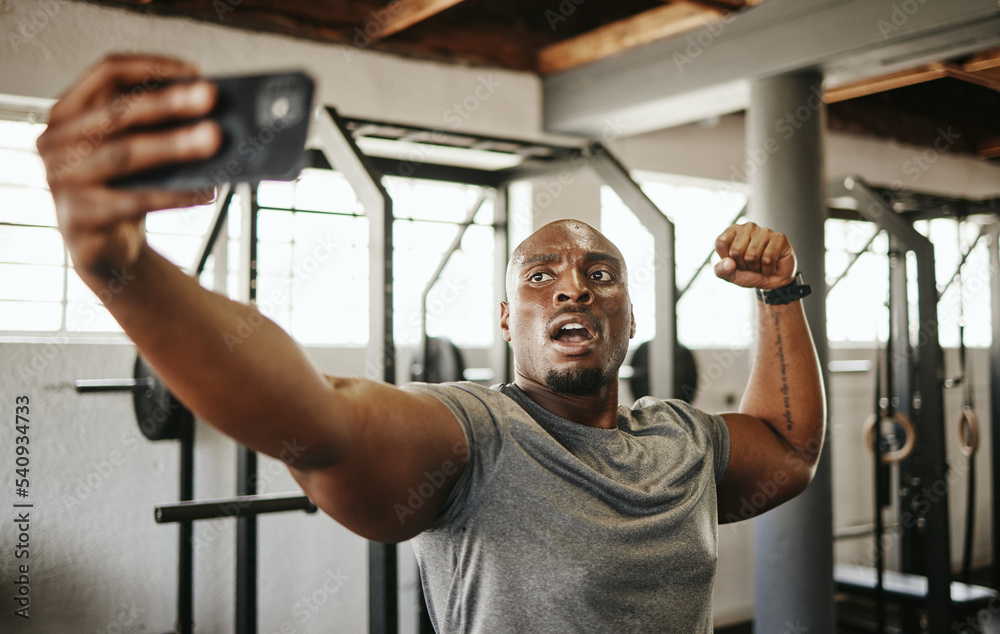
point(239, 506)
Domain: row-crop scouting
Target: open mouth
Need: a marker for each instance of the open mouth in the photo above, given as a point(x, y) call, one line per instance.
point(572, 333)
point(573, 328)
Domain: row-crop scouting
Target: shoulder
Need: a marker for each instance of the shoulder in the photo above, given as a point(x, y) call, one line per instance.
point(650, 415)
point(482, 411)
point(651, 410)
point(460, 394)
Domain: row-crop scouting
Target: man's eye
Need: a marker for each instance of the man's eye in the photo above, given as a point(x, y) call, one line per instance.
point(602, 276)
point(539, 277)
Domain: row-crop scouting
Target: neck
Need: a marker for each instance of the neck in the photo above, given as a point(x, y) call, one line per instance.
point(598, 409)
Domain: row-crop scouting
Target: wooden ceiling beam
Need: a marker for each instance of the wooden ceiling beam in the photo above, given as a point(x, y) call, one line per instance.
point(983, 79)
point(911, 77)
point(983, 61)
point(720, 5)
point(406, 13)
point(643, 28)
point(876, 85)
point(989, 148)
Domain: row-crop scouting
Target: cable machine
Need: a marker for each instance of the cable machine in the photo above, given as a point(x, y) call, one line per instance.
point(913, 405)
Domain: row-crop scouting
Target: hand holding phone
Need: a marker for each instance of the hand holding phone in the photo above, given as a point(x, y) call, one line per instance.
point(139, 133)
point(263, 119)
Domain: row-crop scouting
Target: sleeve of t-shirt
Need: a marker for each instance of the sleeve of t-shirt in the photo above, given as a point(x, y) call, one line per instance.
point(478, 411)
point(718, 432)
point(712, 425)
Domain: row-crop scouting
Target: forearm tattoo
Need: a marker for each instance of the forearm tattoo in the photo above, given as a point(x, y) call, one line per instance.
point(784, 370)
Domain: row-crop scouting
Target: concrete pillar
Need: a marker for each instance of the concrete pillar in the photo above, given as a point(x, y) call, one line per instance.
point(794, 543)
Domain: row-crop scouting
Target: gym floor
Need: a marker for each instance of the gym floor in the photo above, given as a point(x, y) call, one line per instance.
point(862, 611)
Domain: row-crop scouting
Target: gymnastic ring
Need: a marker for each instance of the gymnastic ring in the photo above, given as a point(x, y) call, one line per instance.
point(968, 432)
point(904, 421)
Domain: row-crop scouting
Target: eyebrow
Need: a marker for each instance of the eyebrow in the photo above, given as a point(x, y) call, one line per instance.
point(590, 256)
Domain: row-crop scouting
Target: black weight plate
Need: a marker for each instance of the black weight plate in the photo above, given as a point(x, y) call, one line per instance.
point(685, 373)
point(160, 416)
point(445, 363)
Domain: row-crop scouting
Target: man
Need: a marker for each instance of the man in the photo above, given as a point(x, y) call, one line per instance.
point(543, 505)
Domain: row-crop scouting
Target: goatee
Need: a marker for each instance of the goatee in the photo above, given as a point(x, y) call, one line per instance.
point(577, 382)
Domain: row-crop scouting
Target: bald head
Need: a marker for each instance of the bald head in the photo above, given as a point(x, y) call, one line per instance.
point(542, 245)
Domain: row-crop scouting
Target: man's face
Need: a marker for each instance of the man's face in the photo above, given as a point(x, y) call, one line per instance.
point(569, 317)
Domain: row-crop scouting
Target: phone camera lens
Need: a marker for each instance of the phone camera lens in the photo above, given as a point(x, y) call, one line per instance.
point(280, 108)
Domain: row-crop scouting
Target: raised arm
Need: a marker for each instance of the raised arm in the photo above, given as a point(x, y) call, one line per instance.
point(356, 446)
point(777, 436)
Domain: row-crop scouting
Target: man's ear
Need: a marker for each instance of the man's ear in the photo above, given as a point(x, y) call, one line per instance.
point(632, 333)
point(504, 316)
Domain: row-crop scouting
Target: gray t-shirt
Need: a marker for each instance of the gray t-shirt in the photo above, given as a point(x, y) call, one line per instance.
point(559, 527)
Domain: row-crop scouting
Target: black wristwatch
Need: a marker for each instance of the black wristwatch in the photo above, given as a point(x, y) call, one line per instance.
point(786, 294)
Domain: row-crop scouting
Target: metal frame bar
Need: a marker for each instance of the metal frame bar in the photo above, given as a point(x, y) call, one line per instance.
point(928, 460)
point(330, 135)
point(185, 577)
point(663, 345)
point(994, 246)
point(356, 127)
point(857, 256)
point(185, 535)
point(900, 378)
point(450, 251)
point(240, 506)
point(224, 199)
point(983, 230)
point(500, 355)
point(246, 478)
point(707, 260)
point(425, 341)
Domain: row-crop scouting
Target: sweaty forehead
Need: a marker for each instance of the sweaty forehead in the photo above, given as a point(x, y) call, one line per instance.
point(563, 237)
point(559, 239)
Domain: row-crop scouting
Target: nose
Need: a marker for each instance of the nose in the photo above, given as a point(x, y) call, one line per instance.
point(573, 289)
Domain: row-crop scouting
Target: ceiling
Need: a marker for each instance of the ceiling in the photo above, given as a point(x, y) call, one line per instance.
point(542, 36)
point(957, 97)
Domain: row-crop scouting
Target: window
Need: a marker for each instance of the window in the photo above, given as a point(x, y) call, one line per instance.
point(313, 260)
point(461, 305)
point(39, 292)
point(710, 311)
point(312, 256)
point(856, 307)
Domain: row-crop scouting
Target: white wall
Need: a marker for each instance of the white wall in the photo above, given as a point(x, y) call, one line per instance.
point(46, 45)
point(715, 149)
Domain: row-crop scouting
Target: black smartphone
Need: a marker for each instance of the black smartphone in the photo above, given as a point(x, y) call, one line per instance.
point(264, 120)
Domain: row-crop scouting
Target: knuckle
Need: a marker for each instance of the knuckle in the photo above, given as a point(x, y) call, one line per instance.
point(115, 59)
point(44, 141)
point(119, 156)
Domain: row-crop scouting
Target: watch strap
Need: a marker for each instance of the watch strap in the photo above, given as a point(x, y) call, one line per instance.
point(786, 294)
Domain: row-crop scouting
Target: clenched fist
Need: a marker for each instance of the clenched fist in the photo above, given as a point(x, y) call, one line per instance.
point(102, 129)
point(755, 257)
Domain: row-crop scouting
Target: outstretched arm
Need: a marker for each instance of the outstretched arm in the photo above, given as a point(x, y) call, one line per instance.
point(777, 436)
point(356, 446)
